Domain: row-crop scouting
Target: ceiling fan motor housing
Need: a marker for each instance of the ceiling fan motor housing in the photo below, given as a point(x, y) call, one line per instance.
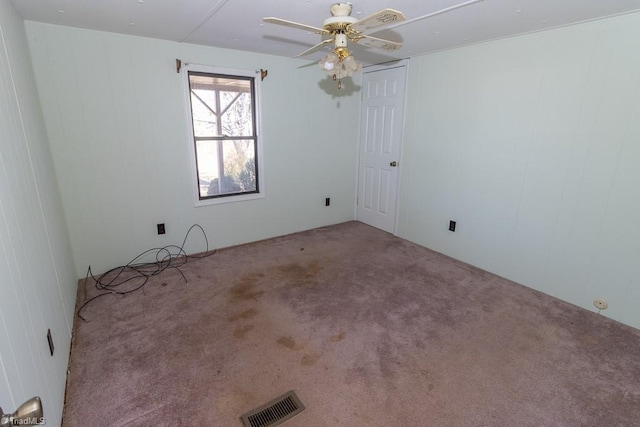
point(340, 40)
point(337, 24)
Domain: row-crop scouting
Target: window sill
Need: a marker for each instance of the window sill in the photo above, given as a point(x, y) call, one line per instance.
point(228, 199)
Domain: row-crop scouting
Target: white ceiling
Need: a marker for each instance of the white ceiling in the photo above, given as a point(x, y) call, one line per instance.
point(237, 24)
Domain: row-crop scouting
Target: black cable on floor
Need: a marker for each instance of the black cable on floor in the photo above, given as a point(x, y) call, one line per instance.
point(138, 273)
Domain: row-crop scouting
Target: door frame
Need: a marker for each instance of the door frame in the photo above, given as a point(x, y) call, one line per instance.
point(401, 63)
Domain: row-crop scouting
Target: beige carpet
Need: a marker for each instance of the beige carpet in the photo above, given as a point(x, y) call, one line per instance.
point(367, 328)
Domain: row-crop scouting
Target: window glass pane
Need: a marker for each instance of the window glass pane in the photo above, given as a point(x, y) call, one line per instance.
point(237, 118)
point(221, 105)
point(208, 165)
point(205, 122)
point(240, 165)
point(237, 160)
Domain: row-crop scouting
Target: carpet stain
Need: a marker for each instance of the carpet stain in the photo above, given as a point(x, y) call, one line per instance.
point(367, 419)
point(289, 343)
point(242, 331)
point(184, 304)
point(533, 335)
point(247, 314)
point(245, 289)
point(308, 359)
point(431, 387)
point(589, 340)
point(297, 274)
point(424, 372)
point(338, 338)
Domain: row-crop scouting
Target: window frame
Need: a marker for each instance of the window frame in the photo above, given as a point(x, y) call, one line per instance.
point(194, 178)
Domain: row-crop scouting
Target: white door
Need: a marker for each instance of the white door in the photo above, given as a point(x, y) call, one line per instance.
point(381, 121)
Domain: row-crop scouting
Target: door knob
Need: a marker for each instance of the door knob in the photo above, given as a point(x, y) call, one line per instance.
point(393, 164)
point(29, 413)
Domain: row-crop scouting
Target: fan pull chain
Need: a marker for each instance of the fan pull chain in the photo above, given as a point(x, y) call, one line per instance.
point(335, 77)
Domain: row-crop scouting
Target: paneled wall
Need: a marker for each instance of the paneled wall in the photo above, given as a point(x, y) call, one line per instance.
point(37, 277)
point(115, 114)
point(532, 144)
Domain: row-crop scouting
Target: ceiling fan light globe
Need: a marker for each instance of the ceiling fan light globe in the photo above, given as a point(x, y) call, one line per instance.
point(342, 72)
point(351, 64)
point(327, 66)
point(329, 63)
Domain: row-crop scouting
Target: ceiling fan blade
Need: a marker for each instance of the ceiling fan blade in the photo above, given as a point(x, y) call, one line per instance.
point(297, 25)
point(379, 19)
point(316, 47)
point(377, 43)
point(437, 12)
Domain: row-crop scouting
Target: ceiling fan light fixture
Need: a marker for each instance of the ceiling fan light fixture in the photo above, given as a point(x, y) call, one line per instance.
point(339, 64)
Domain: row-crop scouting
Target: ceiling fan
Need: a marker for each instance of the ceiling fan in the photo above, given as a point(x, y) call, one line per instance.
point(341, 27)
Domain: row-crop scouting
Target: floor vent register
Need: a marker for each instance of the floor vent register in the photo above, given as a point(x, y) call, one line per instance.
point(275, 412)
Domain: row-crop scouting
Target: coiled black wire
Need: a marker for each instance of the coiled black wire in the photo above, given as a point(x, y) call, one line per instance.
point(137, 274)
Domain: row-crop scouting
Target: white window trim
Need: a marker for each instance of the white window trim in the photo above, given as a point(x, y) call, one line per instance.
point(193, 169)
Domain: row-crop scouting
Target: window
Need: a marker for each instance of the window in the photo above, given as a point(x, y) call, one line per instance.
point(224, 130)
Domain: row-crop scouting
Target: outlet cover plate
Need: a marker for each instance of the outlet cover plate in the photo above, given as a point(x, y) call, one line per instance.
point(601, 303)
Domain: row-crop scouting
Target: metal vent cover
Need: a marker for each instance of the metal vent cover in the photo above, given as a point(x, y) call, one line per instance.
point(275, 412)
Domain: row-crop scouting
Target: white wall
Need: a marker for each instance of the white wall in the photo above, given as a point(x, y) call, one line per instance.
point(37, 277)
point(532, 144)
point(115, 116)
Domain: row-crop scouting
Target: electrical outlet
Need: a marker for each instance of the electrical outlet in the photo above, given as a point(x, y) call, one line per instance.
point(327, 201)
point(161, 229)
point(452, 226)
point(601, 303)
